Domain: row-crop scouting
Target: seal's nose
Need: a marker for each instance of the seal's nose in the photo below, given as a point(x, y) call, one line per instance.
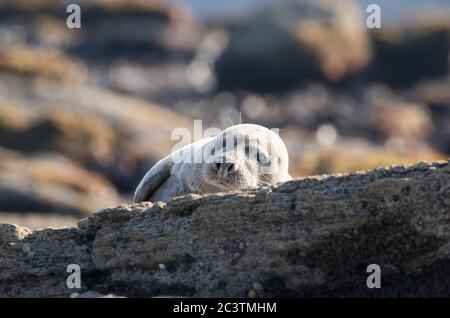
point(224, 169)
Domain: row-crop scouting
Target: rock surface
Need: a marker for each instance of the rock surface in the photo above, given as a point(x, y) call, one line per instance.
point(306, 238)
point(85, 113)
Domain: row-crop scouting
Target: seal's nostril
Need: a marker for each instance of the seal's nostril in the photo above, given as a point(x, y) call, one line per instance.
point(230, 167)
point(217, 165)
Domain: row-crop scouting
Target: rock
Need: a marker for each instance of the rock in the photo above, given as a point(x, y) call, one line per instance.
point(141, 26)
point(309, 157)
point(293, 42)
point(406, 121)
point(51, 184)
point(305, 238)
point(50, 64)
point(419, 49)
point(88, 125)
point(436, 94)
point(146, 55)
point(93, 294)
point(37, 221)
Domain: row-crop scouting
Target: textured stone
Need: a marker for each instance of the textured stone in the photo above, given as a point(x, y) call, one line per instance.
point(306, 238)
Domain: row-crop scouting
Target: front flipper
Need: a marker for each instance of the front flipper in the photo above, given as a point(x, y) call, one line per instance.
point(153, 179)
point(160, 173)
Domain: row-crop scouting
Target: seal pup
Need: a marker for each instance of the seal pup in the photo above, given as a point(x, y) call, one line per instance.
point(240, 157)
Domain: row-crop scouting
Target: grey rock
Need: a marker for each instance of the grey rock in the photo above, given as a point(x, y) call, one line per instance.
point(293, 42)
point(306, 238)
point(93, 294)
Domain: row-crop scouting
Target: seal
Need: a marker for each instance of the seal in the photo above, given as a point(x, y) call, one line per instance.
point(240, 157)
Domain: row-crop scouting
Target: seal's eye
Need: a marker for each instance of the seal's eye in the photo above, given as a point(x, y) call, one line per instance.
point(259, 157)
point(213, 151)
point(262, 160)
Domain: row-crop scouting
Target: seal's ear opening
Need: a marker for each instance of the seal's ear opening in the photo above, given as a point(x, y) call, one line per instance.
point(153, 179)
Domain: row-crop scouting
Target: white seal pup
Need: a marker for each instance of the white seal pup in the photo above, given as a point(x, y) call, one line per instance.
point(240, 157)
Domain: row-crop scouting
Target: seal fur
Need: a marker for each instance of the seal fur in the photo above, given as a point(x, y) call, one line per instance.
point(257, 157)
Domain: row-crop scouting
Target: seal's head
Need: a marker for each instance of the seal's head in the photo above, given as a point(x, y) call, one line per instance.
point(240, 157)
point(245, 156)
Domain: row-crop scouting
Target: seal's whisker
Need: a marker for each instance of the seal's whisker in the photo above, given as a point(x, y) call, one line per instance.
point(264, 183)
point(229, 119)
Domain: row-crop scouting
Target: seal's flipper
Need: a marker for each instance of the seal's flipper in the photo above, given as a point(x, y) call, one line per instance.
point(161, 172)
point(153, 179)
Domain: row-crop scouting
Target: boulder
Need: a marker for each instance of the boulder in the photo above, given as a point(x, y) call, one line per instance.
point(293, 42)
point(305, 238)
point(112, 134)
point(50, 184)
point(415, 50)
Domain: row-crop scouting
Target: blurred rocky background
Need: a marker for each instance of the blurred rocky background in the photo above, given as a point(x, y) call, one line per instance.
point(85, 112)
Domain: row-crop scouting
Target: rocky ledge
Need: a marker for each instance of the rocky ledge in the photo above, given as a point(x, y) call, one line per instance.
point(306, 238)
